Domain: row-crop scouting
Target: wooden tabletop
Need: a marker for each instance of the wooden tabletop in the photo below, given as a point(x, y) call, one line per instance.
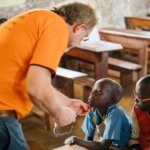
point(69, 73)
point(128, 33)
point(99, 46)
point(73, 147)
point(140, 32)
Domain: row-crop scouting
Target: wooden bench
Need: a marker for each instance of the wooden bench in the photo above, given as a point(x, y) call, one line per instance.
point(126, 70)
point(132, 43)
point(64, 82)
point(142, 23)
point(69, 78)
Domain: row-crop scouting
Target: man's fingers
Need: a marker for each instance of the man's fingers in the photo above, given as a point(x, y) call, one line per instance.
point(82, 113)
point(85, 106)
point(66, 116)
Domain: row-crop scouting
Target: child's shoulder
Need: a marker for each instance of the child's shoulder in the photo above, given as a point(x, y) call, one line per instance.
point(117, 111)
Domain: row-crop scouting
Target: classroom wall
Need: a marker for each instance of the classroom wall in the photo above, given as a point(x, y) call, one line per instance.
point(110, 12)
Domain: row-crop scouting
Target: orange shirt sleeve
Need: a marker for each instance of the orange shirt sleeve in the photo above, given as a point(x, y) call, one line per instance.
point(52, 42)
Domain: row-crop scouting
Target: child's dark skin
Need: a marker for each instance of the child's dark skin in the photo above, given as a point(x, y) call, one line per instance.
point(142, 92)
point(100, 98)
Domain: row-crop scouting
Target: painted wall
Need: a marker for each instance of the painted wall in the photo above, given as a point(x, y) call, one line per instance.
point(109, 12)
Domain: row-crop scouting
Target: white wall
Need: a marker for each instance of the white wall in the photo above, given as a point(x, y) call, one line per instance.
point(109, 12)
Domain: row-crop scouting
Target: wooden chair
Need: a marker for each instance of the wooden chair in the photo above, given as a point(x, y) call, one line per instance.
point(142, 23)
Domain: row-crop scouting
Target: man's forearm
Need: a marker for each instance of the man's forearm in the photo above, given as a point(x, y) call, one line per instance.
point(64, 100)
point(46, 99)
point(43, 94)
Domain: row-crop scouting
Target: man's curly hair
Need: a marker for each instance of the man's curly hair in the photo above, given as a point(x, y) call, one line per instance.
point(77, 12)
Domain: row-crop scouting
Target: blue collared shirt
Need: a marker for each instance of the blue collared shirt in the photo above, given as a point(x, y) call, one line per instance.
point(117, 125)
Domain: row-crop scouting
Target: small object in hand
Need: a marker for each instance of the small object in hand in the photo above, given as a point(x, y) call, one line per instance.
point(60, 134)
point(70, 140)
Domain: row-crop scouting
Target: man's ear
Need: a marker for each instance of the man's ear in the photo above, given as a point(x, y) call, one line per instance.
point(77, 27)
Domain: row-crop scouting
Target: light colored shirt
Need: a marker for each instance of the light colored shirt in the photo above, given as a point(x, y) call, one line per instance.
point(115, 126)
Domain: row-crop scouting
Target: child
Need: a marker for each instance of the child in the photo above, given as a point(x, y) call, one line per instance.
point(114, 125)
point(141, 116)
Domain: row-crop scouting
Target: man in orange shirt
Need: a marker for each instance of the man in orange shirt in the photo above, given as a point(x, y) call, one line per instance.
point(31, 46)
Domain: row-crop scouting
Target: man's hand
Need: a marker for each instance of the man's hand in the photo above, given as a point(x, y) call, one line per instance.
point(79, 107)
point(70, 140)
point(65, 116)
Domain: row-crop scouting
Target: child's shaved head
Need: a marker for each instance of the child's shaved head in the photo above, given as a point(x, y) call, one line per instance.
point(142, 93)
point(114, 88)
point(144, 85)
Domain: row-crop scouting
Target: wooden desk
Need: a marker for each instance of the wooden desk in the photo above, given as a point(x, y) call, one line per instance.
point(140, 23)
point(73, 147)
point(70, 74)
point(133, 40)
point(139, 34)
point(95, 53)
point(67, 78)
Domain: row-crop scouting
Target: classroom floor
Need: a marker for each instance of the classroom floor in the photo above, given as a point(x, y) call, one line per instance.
point(41, 139)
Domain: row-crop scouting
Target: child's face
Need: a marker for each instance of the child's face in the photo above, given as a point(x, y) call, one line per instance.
point(100, 95)
point(141, 100)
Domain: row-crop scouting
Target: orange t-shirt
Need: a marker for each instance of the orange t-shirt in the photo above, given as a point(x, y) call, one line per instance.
point(35, 37)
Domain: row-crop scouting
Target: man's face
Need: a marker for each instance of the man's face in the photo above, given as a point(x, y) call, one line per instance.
point(141, 100)
point(100, 97)
point(78, 34)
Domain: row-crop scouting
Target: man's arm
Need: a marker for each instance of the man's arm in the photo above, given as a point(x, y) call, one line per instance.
point(78, 106)
point(42, 94)
point(92, 145)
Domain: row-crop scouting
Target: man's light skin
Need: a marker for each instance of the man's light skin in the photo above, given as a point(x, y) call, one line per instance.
point(46, 97)
point(77, 33)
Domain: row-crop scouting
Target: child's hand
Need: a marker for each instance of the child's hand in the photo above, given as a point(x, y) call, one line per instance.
point(70, 140)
